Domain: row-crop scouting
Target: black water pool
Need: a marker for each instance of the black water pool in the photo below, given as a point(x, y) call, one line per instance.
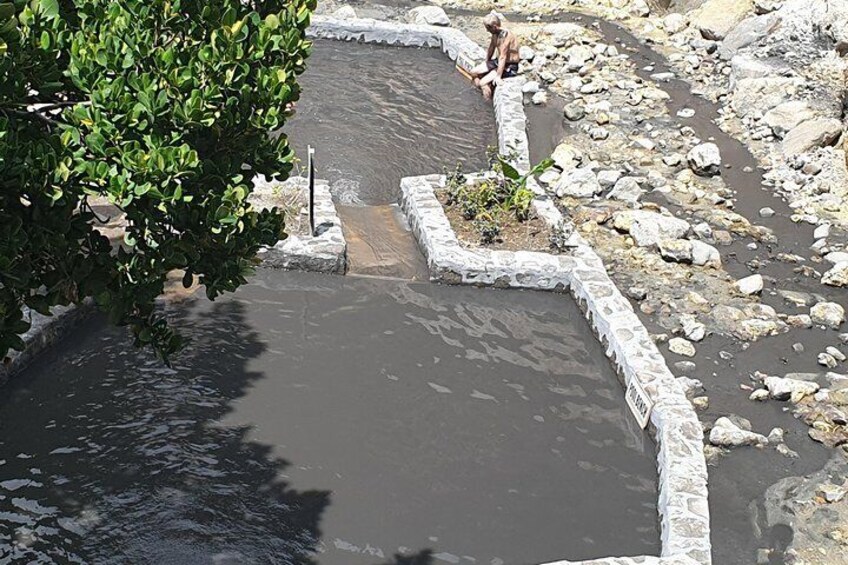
point(375, 114)
point(330, 420)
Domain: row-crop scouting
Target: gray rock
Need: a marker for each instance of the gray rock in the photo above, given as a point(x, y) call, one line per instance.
point(674, 23)
point(705, 255)
point(817, 132)
point(787, 116)
point(526, 53)
point(531, 87)
point(692, 328)
point(578, 183)
point(835, 353)
point(750, 285)
point(609, 177)
point(828, 314)
point(626, 189)
point(716, 18)
point(676, 250)
point(704, 159)
point(789, 389)
point(835, 257)
point(576, 56)
point(345, 13)
point(574, 112)
point(826, 360)
point(766, 212)
point(727, 434)
point(758, 95)
point(428, 15)
point(649, 228)
point(566, 157)
point(681, 346)
point(748, 31)
point(837, 275)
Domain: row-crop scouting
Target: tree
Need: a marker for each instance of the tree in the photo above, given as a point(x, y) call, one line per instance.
point(164, 107)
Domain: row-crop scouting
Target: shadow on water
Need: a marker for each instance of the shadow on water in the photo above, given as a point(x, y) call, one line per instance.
point(141, 472)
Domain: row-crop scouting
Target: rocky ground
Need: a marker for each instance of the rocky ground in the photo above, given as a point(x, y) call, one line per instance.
point(682, 124)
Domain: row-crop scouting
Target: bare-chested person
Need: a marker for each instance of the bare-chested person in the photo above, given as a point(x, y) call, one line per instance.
point(505, 65)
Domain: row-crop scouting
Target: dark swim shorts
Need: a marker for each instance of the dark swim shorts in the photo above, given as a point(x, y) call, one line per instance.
point(510, 70)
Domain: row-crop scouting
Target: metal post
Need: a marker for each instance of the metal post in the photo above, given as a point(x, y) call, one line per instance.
point(310, 167)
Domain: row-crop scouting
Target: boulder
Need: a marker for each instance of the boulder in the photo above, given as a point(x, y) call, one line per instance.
point(781, 388)
point(715, 18)
point(676, 250)
point(526, 53)
point(786, 116)
point(704, 159)
point(817, 132)
point(566, 157)
point(836, 276)
point(674, 23)
point(626, 189)
point(649, 228)
point(750, 285)
point(428, 15)
point(751, 95)
point(727, 434)
point(681, 346)
point(748, 31)
point(746, 66)
point(828, 314)
point(345, 13)
point(578, 55)
point(578, 183)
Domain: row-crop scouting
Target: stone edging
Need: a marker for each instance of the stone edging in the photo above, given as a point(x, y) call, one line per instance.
point(683, 507)
point(43, 333)
point(323, 253)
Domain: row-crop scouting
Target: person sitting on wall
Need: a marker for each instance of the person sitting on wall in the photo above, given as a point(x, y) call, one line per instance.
point(494, 70)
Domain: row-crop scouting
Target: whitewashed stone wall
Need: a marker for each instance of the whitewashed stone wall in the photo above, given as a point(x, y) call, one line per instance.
point(324, 252)
point(43, 333)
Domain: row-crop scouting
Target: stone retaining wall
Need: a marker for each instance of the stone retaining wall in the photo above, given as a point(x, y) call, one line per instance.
point(43, 333)
point(325, 252)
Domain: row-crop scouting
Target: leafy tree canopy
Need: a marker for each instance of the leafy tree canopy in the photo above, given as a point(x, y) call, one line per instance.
point(163, 107)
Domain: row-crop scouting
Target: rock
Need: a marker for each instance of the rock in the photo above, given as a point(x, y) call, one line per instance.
point(767, 6)
point(835, 257)
point(689, 386)
point(578, 183)
point(566, 157)
point(637, 293)
point(692, 328)
point(750, 285)
point(549, 177)
point(822, 231)
point(345, 13)
point(828, 314)
point(799, 321)
point(526, 53)
point(766, 212)
point(832, 493)
point(705, 255)
point(574, 112)
point(674, 23)
point(787, 116)
point(638, 8)
point(626, 189)
point(676, 250)
point(673, 159)
point(747, 32)
point(428, 15)
point(609, 177)
point(700, 403)
point(715, 18)
point(817, 132)
point(826, 360)
point(531, 87)
point(759, 395)
point(727, 434)
point(540, 98)
point(789, 389)
point(776, 435)
point(836, 276)
point(649, 228)
point(835, 353)
point(704, 159)
point(577, 56)
point(681, 346)
point(752, 95)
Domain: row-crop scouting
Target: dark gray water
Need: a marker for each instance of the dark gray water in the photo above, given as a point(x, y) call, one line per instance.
point(376, 114)
point(330, 420)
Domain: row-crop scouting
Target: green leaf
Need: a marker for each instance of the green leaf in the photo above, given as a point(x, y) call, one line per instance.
point(509, 171)
point(7, 10)
point(49, 8)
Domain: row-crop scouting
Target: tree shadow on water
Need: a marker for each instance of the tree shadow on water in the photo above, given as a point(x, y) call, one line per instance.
point(124, 460)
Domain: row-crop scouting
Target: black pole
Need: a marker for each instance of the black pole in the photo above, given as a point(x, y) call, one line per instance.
point(310, 165)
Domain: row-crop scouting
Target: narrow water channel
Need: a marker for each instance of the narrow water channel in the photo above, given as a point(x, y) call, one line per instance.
point(328, 420)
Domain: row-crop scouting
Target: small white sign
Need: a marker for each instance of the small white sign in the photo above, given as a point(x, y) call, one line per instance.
point(638, 401)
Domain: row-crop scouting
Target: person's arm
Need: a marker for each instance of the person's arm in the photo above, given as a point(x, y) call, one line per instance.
point(491, 52)
point(503, 55)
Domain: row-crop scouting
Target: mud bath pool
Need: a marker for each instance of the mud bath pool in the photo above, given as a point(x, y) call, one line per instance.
point(330, 420)
point(376, 114)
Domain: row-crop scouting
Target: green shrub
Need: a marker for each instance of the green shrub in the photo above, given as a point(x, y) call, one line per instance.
point(162, 107)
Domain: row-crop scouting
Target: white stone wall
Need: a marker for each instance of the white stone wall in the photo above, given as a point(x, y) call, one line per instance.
point(325, 252)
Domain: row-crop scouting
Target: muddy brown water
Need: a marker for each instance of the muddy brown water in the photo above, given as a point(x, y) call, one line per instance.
point(375, 114)
point(330, 420)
